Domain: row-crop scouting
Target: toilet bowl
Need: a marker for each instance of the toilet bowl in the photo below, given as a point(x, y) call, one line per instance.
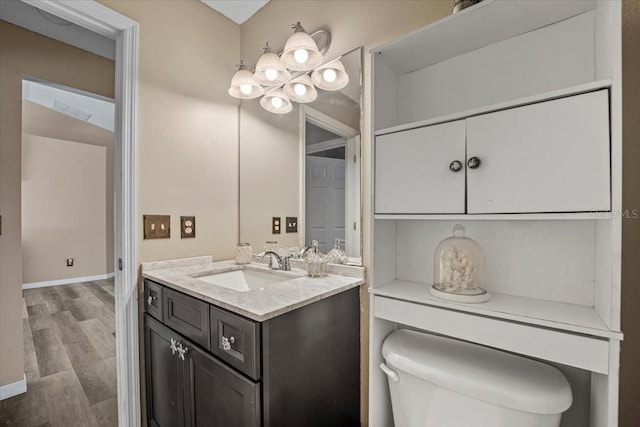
point(441, 382)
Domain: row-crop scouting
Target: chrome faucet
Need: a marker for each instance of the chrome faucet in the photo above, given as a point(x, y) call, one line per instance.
point(282, 263)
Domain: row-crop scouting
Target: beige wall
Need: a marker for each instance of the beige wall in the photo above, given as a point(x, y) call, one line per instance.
point(630, 356)
point(25, 53)
point(41, 121)
point(187, 133)
point(63, 209)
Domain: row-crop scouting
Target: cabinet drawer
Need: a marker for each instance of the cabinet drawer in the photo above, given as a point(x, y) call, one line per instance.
point(187, 315)
point(153, 299)
point(236, 340)
point(581, 351)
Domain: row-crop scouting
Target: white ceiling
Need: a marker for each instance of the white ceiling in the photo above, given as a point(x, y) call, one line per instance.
point(236, 10)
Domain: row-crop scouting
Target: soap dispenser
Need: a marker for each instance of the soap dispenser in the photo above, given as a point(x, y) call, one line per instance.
point(315, 262)
point(337, 255)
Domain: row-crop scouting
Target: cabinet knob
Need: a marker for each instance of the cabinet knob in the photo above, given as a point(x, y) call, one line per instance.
point(173, 346)
point(182, 351)
point(151, 299)
point(226, 342)
point(474, 163)
point(455, 166)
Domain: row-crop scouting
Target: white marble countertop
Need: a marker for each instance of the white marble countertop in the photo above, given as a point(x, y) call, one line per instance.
point(258, 304)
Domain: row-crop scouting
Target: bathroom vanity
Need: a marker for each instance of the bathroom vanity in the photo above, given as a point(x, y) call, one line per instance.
point(505, 118)
point(229, 345)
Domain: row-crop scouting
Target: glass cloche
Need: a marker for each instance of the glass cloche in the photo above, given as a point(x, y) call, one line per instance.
point(458, 269)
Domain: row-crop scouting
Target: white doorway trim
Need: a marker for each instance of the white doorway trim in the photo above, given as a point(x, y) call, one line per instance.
point(353, 214)
point(109, 23)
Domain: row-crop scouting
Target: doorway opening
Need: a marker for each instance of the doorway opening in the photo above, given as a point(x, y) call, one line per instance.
point(331, 184)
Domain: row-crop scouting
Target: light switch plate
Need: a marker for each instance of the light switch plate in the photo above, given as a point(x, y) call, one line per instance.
point(157, 226)
point(187, 227)
point(292, 224)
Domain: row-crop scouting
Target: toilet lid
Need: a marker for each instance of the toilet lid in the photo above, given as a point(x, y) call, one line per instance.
point(479, 372)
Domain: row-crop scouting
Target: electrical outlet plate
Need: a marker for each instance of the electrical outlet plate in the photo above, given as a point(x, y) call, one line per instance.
point(292, 224)
point(157, 226)
point(276, 225)
point(187, 227)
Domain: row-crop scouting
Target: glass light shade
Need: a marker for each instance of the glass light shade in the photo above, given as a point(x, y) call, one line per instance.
point(269, 69)
point(276, 102)
point(301, 90)
point(301, 51)
point(244, 86)
point(330, 76)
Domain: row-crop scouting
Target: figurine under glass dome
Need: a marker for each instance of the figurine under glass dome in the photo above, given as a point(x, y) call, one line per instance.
point(458, 269)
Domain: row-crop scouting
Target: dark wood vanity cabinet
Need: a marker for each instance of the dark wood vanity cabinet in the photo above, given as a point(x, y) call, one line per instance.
point(301, 368)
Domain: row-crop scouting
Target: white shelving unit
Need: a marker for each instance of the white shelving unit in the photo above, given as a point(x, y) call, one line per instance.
point(553, 275)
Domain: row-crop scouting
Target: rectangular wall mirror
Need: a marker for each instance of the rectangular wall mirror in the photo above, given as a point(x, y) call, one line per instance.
point(305, 164)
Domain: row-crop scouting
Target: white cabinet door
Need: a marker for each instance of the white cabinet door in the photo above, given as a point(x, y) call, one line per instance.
point(412, 174)
point(546, 157)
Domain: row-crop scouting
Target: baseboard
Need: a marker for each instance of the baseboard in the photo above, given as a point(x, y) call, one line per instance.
point(69, 281)
point(13, 389)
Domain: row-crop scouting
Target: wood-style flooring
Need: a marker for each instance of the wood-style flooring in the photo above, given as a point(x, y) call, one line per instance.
point(70, 363)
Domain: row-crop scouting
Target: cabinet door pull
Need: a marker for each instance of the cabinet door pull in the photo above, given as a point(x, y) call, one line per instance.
point(151, 299)
point(173, 346)
point(455, 166)
point(226, 342)
point(182, 351)
point(474, 162)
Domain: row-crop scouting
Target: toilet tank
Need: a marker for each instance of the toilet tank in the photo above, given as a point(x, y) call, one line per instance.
point(440, 382)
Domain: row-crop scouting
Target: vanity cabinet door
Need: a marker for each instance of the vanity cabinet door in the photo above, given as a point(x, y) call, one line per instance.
point(217, 396)
point(547, 157)
point(421, 171)
point(164, 376)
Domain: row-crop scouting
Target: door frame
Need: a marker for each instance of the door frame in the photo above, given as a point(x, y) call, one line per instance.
point(100, 19)
point(318, 118)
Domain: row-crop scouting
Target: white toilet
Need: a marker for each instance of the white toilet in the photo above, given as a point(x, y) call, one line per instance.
point(441, 382)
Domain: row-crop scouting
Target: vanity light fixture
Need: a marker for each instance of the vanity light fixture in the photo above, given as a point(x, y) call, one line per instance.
point(243, 85)
point(276, 102)
point(293, 76)
point(269, 69)
point(301, 52)
point(330, 76)
point(301, 89)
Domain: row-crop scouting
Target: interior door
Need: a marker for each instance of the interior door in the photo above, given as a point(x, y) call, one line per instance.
point(413, 174)
point(164, 375)
point(547, 157)
point(325, 201)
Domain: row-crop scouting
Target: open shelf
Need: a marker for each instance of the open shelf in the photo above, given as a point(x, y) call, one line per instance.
point(488, 22)
point(547, 96)
point(549, 314)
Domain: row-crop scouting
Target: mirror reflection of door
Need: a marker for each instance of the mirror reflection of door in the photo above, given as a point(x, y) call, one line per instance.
point(332, 183)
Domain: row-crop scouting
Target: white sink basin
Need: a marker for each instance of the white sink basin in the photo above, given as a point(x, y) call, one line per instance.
point(243, 280)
